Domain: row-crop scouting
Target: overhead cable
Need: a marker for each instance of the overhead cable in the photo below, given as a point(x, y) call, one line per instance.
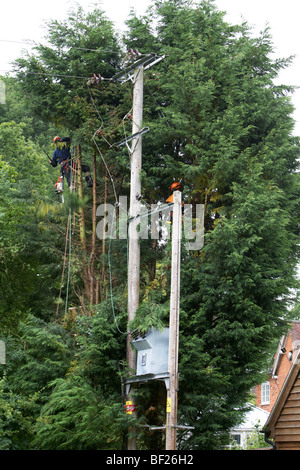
point(29, 42)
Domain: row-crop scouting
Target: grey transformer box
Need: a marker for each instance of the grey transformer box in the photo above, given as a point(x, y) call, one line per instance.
point(152, 356)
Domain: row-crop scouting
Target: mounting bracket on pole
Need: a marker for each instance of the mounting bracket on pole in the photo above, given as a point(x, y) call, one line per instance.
point(128, 139)
point(128, 73)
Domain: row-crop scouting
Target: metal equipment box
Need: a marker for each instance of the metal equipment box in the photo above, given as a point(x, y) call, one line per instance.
point(152, 352)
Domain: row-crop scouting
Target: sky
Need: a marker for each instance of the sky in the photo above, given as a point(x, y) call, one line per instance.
point(25, 21)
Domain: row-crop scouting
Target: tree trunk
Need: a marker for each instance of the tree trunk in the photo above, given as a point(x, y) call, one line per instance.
point(93, 281)
point(102, 283)
point(81, 210)
point(82, 231)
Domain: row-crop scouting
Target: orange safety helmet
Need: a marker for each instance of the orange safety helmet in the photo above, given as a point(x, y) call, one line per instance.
point(175, 187)
point(56, 139)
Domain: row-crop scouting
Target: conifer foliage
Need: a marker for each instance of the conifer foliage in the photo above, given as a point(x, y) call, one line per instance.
point(220, 126)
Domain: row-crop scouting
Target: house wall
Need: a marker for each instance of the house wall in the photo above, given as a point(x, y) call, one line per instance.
point(253, 420)
point(276, 383)
point(287, 427)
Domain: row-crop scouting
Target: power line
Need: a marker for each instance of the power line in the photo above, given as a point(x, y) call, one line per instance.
point(29, 42)
point(53, 75)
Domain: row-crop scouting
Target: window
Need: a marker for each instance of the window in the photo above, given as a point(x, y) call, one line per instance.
point(236, 438)
point(265, 393)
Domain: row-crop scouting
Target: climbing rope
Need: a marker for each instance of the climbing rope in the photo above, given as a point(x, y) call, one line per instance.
point(68, 240)
point(63, 270)
point(69, 266)
point(110, 281)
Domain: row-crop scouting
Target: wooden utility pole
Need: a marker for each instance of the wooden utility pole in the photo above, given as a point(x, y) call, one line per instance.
point(171, 424)
point(134, 210)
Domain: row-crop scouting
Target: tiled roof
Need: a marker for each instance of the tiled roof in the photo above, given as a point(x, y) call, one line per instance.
point(295, 331)
point(295, 335)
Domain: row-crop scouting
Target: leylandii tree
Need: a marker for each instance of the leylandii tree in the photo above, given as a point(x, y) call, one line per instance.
point(55, 79)
point(225, 130)
point(27, 260)
point(55, 76)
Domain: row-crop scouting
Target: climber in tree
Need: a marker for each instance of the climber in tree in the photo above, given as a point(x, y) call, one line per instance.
point(174, 187)
point(62, 155)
